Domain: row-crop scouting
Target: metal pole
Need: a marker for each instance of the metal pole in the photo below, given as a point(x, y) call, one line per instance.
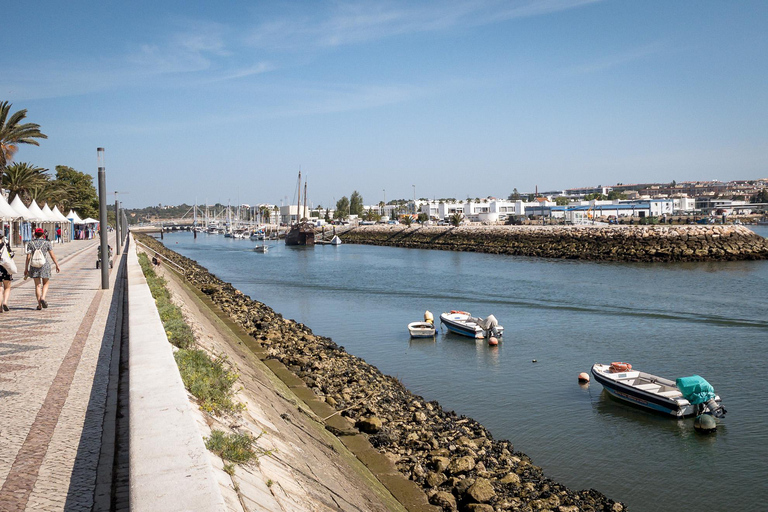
point(103, 220)
point(118, 239)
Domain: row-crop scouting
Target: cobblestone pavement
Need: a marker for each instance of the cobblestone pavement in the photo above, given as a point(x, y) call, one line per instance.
point(54, 371)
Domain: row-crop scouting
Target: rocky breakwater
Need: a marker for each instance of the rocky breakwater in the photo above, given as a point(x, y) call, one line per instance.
point(609, 243)
point(453, 458)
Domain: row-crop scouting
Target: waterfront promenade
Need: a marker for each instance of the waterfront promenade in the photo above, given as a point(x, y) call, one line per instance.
point(54, 383)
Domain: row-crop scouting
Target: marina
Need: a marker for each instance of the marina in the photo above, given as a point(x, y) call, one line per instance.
point(564, 314)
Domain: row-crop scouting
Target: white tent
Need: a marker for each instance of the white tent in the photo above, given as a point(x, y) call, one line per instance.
point(22, 210)
point(48, 213)
point(89, 221)
point(72, 215)
point(36, 212)
point(60, 216)
point(6, 211)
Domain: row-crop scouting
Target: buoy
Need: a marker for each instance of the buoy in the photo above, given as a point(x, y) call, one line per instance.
point(492, 341)
point(583, 377)
point(705, 423)
point(534, 361)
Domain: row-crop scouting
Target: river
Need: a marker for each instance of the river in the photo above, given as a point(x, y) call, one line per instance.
point(560, 317)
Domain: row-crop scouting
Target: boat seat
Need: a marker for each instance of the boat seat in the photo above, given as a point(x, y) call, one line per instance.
point(671, 394)
point(652, 388)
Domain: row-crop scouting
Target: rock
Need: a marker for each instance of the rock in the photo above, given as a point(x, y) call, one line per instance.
point(419, 417)
point(461, 465)
point(478, 507)
point(369, 425)
point(440, 463)
point(434, 479)
point(511, 479)
point(481, 491)
point(443, 499)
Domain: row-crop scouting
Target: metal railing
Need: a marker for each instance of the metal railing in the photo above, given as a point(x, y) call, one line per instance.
point(174, 266)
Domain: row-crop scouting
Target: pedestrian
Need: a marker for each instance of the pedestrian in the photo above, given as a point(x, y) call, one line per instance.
point(5, 276)
point(41, 274)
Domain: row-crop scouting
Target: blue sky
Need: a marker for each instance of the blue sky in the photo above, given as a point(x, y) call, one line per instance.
point(226, 101)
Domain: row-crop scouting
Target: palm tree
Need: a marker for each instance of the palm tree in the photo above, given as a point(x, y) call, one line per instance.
point(12, 133)
point(456, 219)
point(22, 179)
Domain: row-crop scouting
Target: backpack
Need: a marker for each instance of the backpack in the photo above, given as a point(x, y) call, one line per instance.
point(38, 258)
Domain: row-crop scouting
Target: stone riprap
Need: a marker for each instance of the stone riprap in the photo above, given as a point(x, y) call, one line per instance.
point(606, 243)
point(453, 458)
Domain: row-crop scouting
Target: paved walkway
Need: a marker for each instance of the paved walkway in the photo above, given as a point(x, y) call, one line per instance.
point(54, 375)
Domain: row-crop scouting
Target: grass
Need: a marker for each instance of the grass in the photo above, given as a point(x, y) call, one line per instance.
point(235, 448)
point(208, 379)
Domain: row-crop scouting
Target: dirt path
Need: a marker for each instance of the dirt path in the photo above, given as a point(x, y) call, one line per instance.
point(303, 467)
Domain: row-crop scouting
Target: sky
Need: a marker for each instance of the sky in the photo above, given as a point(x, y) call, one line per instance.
point(227, 101)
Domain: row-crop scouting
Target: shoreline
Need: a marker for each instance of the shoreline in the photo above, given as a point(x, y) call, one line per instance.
point(657, 243)
point(452, 458)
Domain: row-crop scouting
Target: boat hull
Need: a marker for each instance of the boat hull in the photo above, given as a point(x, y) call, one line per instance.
point(421, 330)
point(457, 324)
point(676, 406)
point(300, 235)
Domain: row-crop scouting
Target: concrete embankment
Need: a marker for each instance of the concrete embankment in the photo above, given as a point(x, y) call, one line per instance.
point(454, 459)
point(610, 243)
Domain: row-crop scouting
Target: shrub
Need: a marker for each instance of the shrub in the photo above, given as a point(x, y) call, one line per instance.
point(208, 380)
point(236, 447)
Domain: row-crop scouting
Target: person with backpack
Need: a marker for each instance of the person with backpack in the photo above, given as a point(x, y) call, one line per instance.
point(6, 275)
point(37, 266)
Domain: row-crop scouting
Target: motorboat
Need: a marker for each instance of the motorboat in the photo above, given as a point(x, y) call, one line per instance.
point(686, 396)
point(261, 248)
point(461, 322)
point(425, 329)
point(335, 240)
point(421, 329)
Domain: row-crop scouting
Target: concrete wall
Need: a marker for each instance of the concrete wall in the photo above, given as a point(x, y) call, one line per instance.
point(170, 467)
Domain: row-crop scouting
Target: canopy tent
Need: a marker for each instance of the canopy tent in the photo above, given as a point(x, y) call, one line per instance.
point(37, 212)
point(22, 210)
point(60, 216)
point(48, 213)
point(89, 221)
point(6, 211)
point(72, 215)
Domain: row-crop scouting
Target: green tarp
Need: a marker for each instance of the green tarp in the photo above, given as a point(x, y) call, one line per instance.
point(695, 389)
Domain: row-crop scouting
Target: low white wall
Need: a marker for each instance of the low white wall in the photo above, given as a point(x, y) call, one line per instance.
point(170, 468)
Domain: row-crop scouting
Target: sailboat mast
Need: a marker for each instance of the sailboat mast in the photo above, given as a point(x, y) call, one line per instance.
point(305, 199)
point(298, 204)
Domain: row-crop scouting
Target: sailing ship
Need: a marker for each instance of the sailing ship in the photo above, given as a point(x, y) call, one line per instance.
point(302, 232)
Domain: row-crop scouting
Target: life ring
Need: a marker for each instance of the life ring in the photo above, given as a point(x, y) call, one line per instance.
point(455, 312)
point(620, 367)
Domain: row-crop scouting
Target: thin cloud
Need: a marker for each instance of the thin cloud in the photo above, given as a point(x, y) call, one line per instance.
point(351, 23)
point(619, 59)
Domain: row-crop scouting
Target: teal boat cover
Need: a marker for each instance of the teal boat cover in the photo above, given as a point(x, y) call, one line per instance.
point(695, 389)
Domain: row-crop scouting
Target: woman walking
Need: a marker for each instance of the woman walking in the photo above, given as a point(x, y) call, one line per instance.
point(41, 274)
point(5, 276)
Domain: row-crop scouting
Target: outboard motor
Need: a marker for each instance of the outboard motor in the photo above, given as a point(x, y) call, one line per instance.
point(428, 317)
point(718, 411)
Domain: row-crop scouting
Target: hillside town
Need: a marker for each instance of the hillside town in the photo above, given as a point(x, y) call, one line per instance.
point(692, 201)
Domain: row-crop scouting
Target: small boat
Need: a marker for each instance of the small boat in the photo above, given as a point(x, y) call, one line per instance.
point(261, 248)
point(335, 240)
point(685, 396)
point(421, 329)
point(461, 322)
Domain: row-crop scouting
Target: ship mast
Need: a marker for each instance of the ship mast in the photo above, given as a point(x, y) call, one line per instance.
point(298, 204)
point(305, 199)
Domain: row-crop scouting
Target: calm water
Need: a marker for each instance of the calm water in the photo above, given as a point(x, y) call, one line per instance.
point(668, 319)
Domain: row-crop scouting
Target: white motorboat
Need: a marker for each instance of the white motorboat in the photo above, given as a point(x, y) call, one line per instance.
point(335, 240)
point(685, 396)
point(461, 322)
point(421, 329)
point(261, 248)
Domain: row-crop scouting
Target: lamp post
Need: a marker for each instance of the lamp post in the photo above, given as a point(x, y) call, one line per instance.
point(414, 198)
point(103, 219)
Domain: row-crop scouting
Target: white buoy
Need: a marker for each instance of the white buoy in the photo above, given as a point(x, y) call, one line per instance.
point(583, 377)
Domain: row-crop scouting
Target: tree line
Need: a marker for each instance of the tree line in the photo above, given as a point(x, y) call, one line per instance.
point(67, 188)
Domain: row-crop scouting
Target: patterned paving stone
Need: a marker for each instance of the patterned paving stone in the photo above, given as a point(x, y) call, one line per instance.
point(54, 370)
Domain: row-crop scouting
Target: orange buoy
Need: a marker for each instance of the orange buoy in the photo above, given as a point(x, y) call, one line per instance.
point(492, 341)
point(583, 377)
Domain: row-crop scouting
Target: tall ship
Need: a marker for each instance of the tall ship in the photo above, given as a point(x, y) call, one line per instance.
point(301, 232)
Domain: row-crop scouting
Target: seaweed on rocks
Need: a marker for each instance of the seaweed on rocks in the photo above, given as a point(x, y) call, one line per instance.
point(453, 458)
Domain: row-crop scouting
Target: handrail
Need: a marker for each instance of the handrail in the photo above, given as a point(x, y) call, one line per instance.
point(179, 269)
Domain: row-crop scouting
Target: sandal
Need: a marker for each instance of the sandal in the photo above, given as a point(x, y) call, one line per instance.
point(43, 303)
point(39, 307)
point(5, 307)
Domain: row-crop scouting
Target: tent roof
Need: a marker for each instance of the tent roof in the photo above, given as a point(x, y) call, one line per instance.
point(59, 215)
point(49, 213)
point(35, 210)
point(72, 215)
point(90, 221)
point(22, 210)
point(6, 211)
